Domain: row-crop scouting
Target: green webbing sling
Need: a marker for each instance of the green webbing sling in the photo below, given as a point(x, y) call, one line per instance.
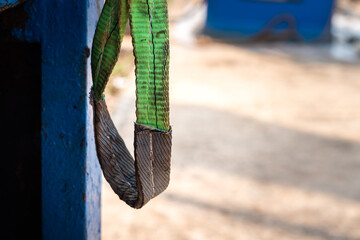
point(149, 29)
point(136, 182)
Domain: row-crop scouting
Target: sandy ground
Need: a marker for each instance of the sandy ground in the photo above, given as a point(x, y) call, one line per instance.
point(266, 145)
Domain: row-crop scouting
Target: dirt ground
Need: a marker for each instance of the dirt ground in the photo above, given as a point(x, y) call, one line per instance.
point(266, 145)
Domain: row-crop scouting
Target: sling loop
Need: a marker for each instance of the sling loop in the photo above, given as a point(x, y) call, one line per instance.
point(134, 181)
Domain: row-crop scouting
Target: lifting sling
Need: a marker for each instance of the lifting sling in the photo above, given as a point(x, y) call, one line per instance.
point(134, 181)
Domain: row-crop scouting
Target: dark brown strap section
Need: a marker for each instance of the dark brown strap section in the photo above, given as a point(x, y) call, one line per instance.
point(135, 182)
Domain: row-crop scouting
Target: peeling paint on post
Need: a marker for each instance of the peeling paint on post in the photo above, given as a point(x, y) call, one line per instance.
point(6, 4)
point(70, 172)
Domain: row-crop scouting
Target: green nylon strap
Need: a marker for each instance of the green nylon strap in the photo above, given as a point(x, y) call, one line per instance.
point(150, 37)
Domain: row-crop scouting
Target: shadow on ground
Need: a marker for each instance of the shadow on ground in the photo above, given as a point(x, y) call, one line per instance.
point(266, 152)
point(255, 218)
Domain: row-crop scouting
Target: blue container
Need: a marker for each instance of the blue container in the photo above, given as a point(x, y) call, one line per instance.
point(305, 20)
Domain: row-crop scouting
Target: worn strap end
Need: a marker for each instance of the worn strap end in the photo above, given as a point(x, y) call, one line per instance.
point(152, 154)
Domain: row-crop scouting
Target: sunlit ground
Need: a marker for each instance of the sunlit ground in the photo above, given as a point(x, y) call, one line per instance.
point(266, 145)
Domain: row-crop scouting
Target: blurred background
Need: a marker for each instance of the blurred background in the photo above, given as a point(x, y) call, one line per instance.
point(265, 109)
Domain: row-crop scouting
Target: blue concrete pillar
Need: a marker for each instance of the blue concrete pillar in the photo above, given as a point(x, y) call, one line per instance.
point(70, 173)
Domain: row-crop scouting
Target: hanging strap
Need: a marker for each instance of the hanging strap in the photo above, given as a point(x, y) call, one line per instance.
point(134, 181)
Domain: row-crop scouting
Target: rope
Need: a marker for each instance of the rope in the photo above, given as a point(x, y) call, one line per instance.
point(135, 181)
point(269, 33)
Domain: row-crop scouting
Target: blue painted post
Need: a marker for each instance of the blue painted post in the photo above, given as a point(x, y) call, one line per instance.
point(70, 172)
point(71, 177)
